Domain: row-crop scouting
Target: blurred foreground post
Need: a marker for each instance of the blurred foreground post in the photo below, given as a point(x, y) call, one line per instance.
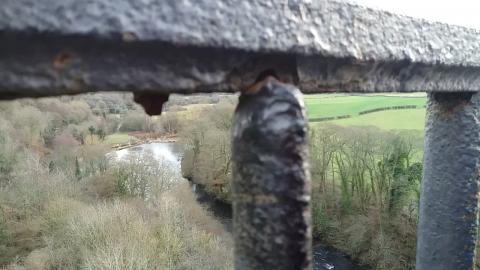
point(271, 182)
point(447, 231)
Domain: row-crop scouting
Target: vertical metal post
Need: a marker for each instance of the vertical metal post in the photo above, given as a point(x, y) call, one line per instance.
point(449, 200)
point(271, 182)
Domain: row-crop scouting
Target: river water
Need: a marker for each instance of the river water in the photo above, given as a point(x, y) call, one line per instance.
point(324, 257)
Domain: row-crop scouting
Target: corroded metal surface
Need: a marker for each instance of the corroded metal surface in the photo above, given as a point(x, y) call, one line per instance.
point(271, 183)
point(66, 46)
point(449, 201)
point(329, 28)
point(37, 66)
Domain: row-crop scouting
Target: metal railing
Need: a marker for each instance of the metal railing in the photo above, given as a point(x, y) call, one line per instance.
point(155, 48)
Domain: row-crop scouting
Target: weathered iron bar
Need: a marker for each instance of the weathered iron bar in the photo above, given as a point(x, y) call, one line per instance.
point(154, 48)
point(271, 183)
point(55, 47)
point(447, 231)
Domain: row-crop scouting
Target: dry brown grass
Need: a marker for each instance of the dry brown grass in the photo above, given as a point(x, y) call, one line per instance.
point(197, 214)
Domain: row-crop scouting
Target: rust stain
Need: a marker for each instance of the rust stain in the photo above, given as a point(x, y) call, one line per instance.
point(257, 86)
point(62, 60)
point(129, 36)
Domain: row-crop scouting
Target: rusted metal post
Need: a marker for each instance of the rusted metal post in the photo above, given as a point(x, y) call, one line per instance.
point(271, 182)
point(447, 229)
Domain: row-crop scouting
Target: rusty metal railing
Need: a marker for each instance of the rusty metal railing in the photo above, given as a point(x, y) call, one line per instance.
point(271, 183)
point(447, 230)
point(155, 48)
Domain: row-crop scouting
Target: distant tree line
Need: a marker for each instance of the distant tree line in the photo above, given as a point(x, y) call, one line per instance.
point(404, 107)
point(330, 118)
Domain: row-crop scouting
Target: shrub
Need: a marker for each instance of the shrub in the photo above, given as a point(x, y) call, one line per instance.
point(93, 160)
point(322, 222)
point(109, 236)
point(133, 121)
point(3, 229)
point(58, 211)
point(30, 123)
point(143, 177)
point(188, 236)
point(33, 185)
point(117, 235)
point(168, 123)
point(8, 158)
point(103, 186)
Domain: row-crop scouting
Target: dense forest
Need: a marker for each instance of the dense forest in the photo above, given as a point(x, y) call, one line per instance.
point(366, 184)
point(65, 205)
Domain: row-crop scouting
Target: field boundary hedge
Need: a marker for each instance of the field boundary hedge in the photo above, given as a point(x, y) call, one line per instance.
point(330, 118)
point(404, 107)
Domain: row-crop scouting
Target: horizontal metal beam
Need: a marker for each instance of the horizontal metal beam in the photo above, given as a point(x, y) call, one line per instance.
point(56, 47)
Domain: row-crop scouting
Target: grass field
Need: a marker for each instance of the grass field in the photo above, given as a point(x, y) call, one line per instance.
point(327, 105)
point(119, 138)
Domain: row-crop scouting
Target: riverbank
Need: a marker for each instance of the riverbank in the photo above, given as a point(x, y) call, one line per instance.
point(324, 257)
point(55, 221)
point(119, 141)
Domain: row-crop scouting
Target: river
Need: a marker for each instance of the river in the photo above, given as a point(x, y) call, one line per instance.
point(324, 257)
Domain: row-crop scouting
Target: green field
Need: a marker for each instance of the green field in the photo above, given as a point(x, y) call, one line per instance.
point(119, 138)
point(332, 105)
